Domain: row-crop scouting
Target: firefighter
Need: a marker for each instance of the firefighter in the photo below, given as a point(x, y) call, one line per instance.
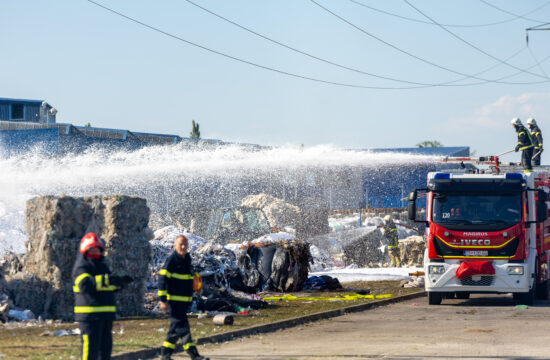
point(525, 144)
point(95, 306)
point(389, 230)
point(536, 135)
point(176, 283)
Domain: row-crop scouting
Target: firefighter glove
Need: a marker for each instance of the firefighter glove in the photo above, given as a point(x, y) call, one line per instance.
point(517, 148)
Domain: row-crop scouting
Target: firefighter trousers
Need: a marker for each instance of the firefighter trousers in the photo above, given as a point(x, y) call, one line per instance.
point(526, 159)
point(179, 328)
point(97, 339)
point(536, 157)
point(394, 257)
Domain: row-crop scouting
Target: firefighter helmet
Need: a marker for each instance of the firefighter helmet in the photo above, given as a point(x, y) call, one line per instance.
point(90, 240)
point(515, 121)
point(531, 121)
point(387, 218)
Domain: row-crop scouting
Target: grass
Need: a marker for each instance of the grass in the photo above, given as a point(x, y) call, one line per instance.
point(26, 342)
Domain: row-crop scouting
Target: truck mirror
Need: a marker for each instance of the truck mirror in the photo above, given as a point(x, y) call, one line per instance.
point(411, 209)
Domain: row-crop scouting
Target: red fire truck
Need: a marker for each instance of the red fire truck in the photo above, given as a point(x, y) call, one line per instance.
point(486, 232)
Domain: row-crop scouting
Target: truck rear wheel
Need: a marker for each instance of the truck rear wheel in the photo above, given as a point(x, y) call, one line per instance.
point(528, 298)
point(542, 291)
point(434, 298)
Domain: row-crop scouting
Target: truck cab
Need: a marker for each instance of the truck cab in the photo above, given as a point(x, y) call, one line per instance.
point(485, 233)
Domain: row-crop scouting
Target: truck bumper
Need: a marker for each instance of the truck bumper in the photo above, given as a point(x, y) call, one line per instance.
point(502, 281)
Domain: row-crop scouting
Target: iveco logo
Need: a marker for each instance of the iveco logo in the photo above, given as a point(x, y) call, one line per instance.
point(475, 234)
point(475, 242)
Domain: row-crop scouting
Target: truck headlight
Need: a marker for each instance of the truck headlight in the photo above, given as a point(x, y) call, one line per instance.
point(515, 270)
point(436, 269)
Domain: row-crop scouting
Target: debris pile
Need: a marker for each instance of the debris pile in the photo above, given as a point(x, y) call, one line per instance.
point(55, 225)
point(413, 282)
point(275, 265)
point(412, 251)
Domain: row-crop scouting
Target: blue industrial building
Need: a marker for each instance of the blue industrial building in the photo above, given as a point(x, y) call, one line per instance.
point(35, 111)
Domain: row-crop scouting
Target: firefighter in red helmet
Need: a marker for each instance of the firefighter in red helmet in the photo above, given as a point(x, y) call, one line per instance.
point(95, 306)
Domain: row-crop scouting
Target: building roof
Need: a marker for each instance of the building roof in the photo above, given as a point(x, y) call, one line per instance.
point(433, 151)
point(21, 100)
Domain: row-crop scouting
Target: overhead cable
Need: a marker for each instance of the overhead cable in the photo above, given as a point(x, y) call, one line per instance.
point(240, 59)
point(511, 13)
point(515, 17)
point(472, 45)
point(416, 56)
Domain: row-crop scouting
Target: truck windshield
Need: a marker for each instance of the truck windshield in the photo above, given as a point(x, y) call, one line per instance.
point(458, 211)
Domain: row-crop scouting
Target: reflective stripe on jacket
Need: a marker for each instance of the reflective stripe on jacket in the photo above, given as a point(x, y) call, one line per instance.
point(524, 138)
point(536, 136)
point(93, 294)
point(175, 282)
point(390, 233)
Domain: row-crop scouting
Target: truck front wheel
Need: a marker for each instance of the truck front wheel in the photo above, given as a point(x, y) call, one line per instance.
point(434, 298)
point(528, 298)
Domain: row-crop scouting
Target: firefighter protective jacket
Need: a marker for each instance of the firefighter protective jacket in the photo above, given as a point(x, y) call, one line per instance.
point(390, 233)
point(536, 135)
point(93, 295)
point(524, 138)
point(175, 282)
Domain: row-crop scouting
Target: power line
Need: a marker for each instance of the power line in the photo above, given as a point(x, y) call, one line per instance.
point(243, 60)
point(511, 13)
point(281, 71)
point(415, 56)
point(536, 61)
point(302, 52)
point(472, 45)
point(449, 25)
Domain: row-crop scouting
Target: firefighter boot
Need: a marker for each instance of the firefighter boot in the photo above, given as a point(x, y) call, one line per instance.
point(194, 354)
point(165, 354)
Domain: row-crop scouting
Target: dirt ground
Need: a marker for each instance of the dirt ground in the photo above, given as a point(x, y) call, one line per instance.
point(484, 327)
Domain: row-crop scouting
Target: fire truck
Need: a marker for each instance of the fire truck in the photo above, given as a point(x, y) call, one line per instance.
point(486, 232)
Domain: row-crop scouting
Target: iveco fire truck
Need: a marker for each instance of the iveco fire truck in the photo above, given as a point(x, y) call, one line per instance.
point(486, 233)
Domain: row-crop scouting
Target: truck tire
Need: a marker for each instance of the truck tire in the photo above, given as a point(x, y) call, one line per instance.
point(434, 298)
point(528, 298)
point(462, 295)
point(542, 290)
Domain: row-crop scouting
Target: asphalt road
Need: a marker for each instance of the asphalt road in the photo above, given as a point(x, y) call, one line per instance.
point(483, 327)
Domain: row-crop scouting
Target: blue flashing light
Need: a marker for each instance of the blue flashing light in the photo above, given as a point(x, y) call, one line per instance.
point(514, 176)
point(442, 176)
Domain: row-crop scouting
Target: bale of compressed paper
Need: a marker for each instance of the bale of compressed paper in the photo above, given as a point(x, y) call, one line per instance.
point(55, 226)
point(412, 251)
point(279, 213)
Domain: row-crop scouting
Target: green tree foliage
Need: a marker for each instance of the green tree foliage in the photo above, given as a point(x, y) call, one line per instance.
point(195, 132)
point(429, 143)
point(88, 125)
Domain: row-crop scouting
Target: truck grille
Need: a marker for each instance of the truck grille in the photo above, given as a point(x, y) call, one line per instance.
point(485, 280)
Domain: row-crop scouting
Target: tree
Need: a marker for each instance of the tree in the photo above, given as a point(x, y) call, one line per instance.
point(88, 125)
point(428, 143)
point(195, 132)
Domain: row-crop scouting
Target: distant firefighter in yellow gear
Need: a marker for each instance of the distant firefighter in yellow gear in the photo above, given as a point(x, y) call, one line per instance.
point(389, 230)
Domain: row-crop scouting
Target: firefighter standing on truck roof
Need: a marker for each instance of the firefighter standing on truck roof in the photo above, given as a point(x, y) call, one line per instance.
point(95, 306)
point(389, 230)
point(536, 135)
point(176, 283)
point(525, 144)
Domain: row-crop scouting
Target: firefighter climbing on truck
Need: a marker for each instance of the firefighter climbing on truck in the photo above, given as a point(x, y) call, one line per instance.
point(525, 144)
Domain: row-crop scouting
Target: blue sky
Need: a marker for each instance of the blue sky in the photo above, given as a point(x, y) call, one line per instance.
point(97, 67)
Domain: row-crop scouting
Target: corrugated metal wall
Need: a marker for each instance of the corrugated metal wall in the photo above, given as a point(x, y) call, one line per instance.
point(13, 142)
point(31, 111)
